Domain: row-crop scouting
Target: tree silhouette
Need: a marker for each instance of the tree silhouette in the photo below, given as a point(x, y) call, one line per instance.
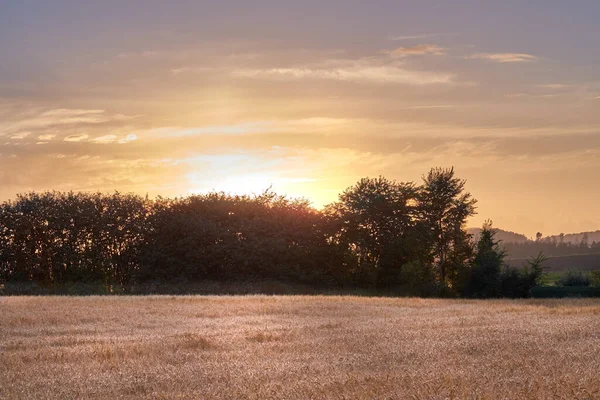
point(372, 219)
point(487, 265)
point(381, 234)
point(444, 207)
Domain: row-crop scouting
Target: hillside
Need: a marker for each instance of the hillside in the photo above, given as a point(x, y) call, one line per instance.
point(577, 237)
point(502, 235)
point(579, 262)
point(513, 237)
point(518, 246)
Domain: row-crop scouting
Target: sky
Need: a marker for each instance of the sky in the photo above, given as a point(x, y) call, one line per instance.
point(172, 98)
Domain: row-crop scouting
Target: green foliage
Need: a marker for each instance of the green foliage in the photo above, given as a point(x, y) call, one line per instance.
point(416, 279)
point(381, 236)
point(58, 238)
point(491, 277)
point(544, 292)
point(551, 247)
point(595, 278)
point(487, 266)
point(444, 207)
point(224, 237)
point(516, 283)
point(574, 278)
point(374, 221)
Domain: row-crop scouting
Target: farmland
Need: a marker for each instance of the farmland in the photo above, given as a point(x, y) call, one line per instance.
point(257, 347)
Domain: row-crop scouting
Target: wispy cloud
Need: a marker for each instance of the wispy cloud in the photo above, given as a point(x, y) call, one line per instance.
point(411, 37)
point(196, 70)
point(105, 139)
point(34, 120)
point(420, 49)
point(555, 86)
point(129, 138)
point(313, 124)
point(19, 136)
point(69, 112)
point(365, 70)
point(432, 106)
point(504, 57)
point(47, 137)
point(76, 138)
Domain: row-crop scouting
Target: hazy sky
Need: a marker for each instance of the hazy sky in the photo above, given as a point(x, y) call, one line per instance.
point(308, 96)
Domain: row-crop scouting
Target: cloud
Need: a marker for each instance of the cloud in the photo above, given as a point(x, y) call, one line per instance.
point(47, 137)
point(554, 86)
point(19, 136)
point(504, 57)
point(105, 139)
point(352, 71)
point(410, 37)
point(193, 70)
point(141, 54)
point(420, 49)
point(69, 112)
point(26, 123)
point(129, 138)
point(76, 138)
point(28, 120)
point(431, 106)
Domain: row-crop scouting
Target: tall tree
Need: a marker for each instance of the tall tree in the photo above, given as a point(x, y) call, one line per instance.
point(487, 265)
point(373, 217)
point(444, 207)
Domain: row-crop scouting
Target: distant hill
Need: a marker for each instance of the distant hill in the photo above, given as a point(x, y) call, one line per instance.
point(577, 237)
point(513, 237)
point(518, 246)
point(504, 236)
point(579, 262)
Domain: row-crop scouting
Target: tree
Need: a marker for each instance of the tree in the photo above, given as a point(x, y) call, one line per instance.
point(444, 207)
point(538, 236)
point(373, 219)
point(487, 265)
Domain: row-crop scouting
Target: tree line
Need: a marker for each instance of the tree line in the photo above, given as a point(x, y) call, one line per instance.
point(381, 235)
point(550, 247)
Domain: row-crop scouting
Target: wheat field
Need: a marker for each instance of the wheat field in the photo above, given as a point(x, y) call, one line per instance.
point(297, 347)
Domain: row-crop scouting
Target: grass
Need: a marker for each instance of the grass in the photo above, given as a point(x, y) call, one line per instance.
point(551, 278)
point(297, 347)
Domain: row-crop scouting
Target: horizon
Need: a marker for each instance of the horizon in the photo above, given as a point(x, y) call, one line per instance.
point(307, 99)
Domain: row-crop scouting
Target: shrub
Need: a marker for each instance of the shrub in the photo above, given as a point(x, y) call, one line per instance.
point(545, 292)
point(574, 278)
point(418, 280)
point(595, 278)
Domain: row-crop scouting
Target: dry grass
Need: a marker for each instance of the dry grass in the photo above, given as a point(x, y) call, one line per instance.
point(260, 347)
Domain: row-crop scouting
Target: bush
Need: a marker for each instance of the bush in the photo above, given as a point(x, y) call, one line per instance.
point(595, 278)
point(418, 280)
point(546, 292)
point(574, 278)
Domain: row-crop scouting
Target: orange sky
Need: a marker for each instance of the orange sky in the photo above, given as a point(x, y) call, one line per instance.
point(307, 98)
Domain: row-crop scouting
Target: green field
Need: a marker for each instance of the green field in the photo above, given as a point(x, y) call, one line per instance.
point(551, 278)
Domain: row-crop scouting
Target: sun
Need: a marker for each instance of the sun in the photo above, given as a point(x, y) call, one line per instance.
point(317, 191)
point(246, 184)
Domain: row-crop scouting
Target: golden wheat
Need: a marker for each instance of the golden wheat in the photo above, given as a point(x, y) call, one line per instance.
point(297, 347)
